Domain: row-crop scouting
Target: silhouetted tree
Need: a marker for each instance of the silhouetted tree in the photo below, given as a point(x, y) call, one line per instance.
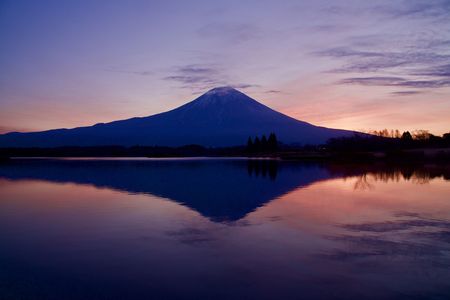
point(249, 144)
point(263, 144)
point(264, 147)
point(434, 140)
point(392, 133)
point(257, 145)
point(406, 136)
point(446, 137)
point(272, 142)
point(421, 135)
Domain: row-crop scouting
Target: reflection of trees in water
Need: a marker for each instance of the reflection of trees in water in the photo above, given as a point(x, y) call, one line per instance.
point(262, 168)
point(366, 174)
point(363, 182)
point(370, 173)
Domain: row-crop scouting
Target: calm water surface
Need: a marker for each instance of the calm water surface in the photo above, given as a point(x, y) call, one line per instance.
point(223, 229)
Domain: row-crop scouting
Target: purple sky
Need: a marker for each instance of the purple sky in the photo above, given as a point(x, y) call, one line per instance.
point(351, 64)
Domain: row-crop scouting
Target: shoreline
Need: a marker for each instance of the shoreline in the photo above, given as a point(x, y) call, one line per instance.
point(104, 153)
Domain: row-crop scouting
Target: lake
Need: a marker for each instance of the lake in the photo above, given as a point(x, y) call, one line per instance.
point(223, 229)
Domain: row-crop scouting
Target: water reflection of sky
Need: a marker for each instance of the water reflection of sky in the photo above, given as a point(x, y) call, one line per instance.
point(324, 238)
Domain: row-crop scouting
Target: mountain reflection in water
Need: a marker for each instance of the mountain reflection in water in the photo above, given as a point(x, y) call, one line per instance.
point(219, 189)
point(223, 229)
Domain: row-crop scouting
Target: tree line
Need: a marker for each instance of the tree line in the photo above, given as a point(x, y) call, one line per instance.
point(419, 134)
point(263, 144)
point(389, 140)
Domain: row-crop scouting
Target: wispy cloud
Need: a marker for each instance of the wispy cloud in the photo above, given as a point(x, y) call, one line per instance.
point(273, 91)
point(339, 52)
point(415, 64)
point(425, 83)
point(373, 81)
point(437, 71)
point(375, 61)
point(244, 86)
point(415, 9)
point(405, 93)
point(199, 78)
point(399, 58)
point(396, 82)
point(437, 10)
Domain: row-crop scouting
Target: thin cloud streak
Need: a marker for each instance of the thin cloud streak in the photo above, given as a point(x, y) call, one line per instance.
point(406, 93)
point(396, 82)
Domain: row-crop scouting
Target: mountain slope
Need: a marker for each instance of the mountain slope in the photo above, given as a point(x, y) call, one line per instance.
point(221, 117)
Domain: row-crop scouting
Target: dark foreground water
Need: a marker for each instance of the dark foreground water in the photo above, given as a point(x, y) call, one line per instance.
point(223, 229)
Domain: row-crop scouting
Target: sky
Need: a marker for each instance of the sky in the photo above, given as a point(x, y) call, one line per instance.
point(359, 65)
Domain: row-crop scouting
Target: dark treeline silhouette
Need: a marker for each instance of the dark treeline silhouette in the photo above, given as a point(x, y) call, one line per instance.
point(384, 141)
point(263, 145)
point(418, 145)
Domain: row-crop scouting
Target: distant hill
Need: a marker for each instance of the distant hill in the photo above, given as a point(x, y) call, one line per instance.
point(221, 117)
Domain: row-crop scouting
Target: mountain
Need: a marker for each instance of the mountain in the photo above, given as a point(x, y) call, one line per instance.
point(221, 117)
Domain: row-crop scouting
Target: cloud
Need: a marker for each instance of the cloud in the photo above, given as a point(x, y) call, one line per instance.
point(425, 83)
point(346, 52)
point(372, 81)
point(416, 67)
point(376, 61)
point(436, 9)
point(396, 82)
point(197, 69)
point(437, 71)
point(244, 86)
point(405, 93)
point(198, 76)
point(189, 79)
point(273, 91)
point(201, 77)
point(439, 43)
